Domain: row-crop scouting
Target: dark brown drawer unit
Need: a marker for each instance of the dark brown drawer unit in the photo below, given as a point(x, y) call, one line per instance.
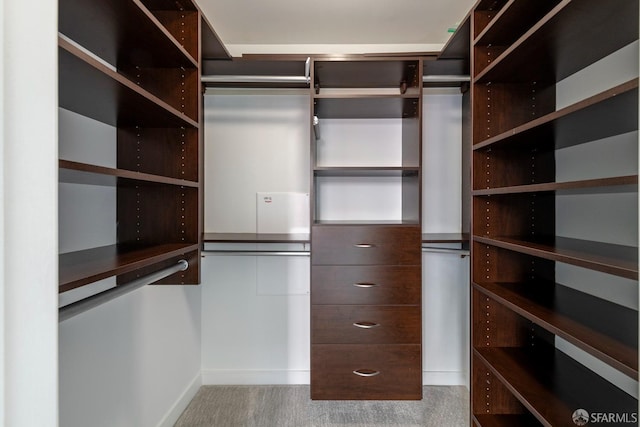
point(357, 371)
point(366, 313)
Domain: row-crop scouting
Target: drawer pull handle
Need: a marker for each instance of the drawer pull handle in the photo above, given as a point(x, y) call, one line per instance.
point(363, 245)
point(366, 373)
point(365, 285)
point(366, 325)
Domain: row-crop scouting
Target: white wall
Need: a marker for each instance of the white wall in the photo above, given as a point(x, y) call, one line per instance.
point(29, 228)
point(134, 361)
point(445, 277)
point(255, 310)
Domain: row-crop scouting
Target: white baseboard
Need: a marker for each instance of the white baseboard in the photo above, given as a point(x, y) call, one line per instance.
point(253, 377)
point(444, 378)
point(181, 404)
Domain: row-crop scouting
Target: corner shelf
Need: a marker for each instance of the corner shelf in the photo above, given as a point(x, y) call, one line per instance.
point(576, 317)
point(83, 267)
point(363, 72)
point(618, 260)
point(562, 34)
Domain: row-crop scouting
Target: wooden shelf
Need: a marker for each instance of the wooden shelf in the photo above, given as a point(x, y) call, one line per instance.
point(90, 88)
point(367, 171)
point(609, 113)
point(613, 259)
point(513, 20)
point(212, 46)
point(84, 267)
point(445, 237)
point(360, 72)
point(551, 385)
point(620, 184)
point(366, 107)
point(523, 420)
point(364, 222)
point(255, 238)
point(122, 32)
point(83, 173)
point(554, 48)
point(601, 328)
point(458, 45)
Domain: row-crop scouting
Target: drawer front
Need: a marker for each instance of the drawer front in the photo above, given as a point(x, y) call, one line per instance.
point(366, 245)
point(366, 285)
point(368, 372)
point(353, 324)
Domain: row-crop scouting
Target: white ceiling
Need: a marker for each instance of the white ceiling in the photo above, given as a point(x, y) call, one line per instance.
point(333, 26)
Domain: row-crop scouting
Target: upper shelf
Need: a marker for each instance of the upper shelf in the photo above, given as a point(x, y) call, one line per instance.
point(458, 45)
point(513, 19)
point(366, 106)
point(357, 171)
point(212, 46)
point(123, 33)
point(366, 73)
point(255, 238)
point(609, 113)
point(555, 47)
point(92, 89)
point(83, 173)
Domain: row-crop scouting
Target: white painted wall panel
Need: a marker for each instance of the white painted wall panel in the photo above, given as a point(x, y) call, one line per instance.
point(134, 361)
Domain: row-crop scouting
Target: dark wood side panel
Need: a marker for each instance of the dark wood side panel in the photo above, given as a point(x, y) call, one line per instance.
point(399, 370)
point(490, 396)
point(169, 152)
point(188, 277)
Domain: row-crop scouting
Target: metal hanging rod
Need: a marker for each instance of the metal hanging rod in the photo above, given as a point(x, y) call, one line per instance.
point(445, 79)
point(306, 79)
point(71, 310)
point(462, 252)
point(255, 253)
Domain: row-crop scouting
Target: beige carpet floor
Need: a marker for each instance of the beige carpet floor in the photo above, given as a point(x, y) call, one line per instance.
point(290, 406)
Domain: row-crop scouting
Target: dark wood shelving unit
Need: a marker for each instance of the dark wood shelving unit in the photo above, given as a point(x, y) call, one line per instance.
point(135, 65)
point(523, 312)
point(445, 238)
point(351, 257)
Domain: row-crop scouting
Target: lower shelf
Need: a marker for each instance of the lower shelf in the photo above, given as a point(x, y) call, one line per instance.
point(82, 267)
point(552, 386)
point(520, 420)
